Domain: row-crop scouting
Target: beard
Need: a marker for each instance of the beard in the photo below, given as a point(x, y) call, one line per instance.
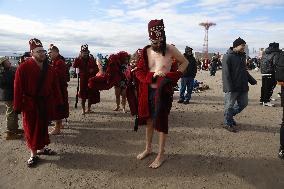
point(85, 57)
point(40, 58)
point(157, 49)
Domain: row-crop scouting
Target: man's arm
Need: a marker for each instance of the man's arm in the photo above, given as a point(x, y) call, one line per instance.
point(226, 75)
point(182, 62)
point(142, 72)
point(18, 90)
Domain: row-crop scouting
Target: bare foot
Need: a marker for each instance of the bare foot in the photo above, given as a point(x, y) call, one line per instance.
point(124, 111)
point(116, 109)
point(55, 131)
point(157, 162)
point(144, 154)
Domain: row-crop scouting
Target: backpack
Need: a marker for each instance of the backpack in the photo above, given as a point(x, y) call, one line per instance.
point(279, 68)
point(266, 66)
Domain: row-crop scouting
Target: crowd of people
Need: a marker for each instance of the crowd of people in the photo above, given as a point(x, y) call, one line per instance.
point(37, 89)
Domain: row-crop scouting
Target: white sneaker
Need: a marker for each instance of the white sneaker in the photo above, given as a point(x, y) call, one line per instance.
point(269, 104)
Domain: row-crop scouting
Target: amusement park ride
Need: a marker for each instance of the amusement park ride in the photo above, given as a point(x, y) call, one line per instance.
point(206, 25)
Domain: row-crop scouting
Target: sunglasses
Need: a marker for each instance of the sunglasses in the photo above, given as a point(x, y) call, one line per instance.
point(41, 51)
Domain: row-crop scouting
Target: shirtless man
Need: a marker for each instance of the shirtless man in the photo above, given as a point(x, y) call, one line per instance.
point(155, 65)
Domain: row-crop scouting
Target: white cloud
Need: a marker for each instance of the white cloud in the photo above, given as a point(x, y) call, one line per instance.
point(126, 29)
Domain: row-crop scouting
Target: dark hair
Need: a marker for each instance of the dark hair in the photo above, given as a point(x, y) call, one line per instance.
point(54, 48)
point(164, 43)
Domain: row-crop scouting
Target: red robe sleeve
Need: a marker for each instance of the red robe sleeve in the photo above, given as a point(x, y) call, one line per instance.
point(18, 91)
point(142, 73)
point(61, 70)
point(57, 95)
point(76, 63)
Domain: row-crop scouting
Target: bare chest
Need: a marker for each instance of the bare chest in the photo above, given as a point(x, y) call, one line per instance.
point(158, 62)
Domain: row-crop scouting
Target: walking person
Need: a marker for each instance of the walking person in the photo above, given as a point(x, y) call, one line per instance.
point(36, 94)
point(235, 79)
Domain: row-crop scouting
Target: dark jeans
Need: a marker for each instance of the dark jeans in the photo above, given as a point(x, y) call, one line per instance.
point(235, 102)
point(268, 85)
point(186, 83)
point(282, 124)
point(213, 70)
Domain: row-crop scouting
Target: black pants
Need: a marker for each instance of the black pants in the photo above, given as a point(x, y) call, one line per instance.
point(282, 124)
point(268, 85)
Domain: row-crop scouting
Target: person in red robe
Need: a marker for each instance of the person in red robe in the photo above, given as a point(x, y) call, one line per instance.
point(132, 83)
point(88, 68)
point(61, 69)
point(120, 86)
point(156, 81)
point(36, 92)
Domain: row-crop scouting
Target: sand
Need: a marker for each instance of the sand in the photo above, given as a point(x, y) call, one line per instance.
point(99, 150)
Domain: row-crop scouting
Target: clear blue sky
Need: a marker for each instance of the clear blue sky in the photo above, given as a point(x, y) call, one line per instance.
point(111, 26)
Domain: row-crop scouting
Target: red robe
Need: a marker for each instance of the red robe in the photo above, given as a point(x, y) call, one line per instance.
point(61, 70)
point(131, 90)
point(110, 78)
point(86, 71)
point(28, 102)
point(163, 96)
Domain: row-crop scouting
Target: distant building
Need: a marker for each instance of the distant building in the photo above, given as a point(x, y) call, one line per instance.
point(261, 52)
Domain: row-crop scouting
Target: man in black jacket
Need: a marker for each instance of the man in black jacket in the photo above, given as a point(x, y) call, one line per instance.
point(267, 68)
point(214, 65)
point(7, 77)
point(281, 149)
point(187, 79)
point(235, 83)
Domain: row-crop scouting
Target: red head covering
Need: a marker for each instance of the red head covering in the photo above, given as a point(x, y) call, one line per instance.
point(35, 43)
point(84, 48)
point(122, 55)
point(156, 29)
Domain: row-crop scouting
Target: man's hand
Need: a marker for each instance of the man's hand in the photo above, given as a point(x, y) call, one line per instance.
point(132, 70)
point(159, 73)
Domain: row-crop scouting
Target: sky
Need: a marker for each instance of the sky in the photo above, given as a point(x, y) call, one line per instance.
point(110, 26)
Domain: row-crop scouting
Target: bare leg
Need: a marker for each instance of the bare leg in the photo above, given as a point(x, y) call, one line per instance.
point(83, 106)
point(89, 107)
point(57, 127)
point(149, 136)
point(123, 101)
point(33, 153)
point(160, 157)
point(117, 97)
